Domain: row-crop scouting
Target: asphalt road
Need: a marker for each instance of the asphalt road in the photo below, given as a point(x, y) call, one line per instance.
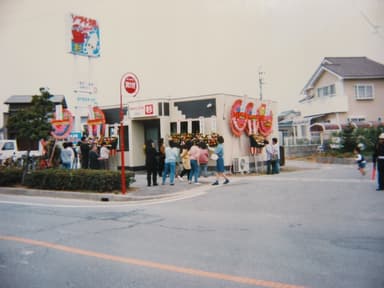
point(321, 226)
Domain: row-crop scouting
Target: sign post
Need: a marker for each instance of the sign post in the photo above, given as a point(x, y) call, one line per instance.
point(131, 87)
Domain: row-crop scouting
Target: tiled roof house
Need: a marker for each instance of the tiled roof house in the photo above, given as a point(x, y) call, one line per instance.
point(344, 90)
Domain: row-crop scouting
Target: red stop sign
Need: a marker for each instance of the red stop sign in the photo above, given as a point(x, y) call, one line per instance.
point(131, 84)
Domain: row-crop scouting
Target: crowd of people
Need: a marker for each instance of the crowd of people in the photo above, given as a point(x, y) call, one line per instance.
point(88, 153)
point(92, 154)
point(181, 159)
point(178, 159)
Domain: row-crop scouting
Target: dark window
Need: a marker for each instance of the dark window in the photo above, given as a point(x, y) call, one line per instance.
point(166, 109)
point(173, 128)
point(195, 126)
point(126, 142)
point(160, 104)
point(183, 127)
point(197, 108)
point(111, 130)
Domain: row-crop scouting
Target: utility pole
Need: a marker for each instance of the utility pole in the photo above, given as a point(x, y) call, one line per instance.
point(261, 83)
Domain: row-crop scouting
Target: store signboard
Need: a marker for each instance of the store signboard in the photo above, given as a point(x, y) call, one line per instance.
point(85, 36)
point(131, 84)
point(144, 109)
point(85, 92)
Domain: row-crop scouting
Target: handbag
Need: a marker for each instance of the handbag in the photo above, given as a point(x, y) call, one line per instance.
point(214, 156)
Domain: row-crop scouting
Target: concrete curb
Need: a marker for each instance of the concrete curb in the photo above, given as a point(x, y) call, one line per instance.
point(82, 195)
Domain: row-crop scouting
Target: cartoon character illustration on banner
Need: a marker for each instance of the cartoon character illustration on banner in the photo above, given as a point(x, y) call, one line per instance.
point(85, 39)
point(62, 127)
point(92, 45)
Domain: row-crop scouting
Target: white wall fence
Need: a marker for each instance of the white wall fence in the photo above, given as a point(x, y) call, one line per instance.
point(301, 147)
point(293, 141)
point(300, 150)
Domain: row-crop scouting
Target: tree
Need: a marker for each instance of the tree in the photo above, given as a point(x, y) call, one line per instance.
point(33, 123)
point(348, 139)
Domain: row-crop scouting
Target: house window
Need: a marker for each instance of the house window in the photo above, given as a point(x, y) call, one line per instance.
point(364, 91)
point(357, 119)
point(183, 127)
point(332, 89)
point(173, 128)
point(196, 126)
point(166, 109)
point(326, 90)
point(160, 107)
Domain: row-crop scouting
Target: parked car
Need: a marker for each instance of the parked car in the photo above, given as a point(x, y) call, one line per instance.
point(9, 149)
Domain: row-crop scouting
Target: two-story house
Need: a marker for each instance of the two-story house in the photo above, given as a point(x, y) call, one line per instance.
point(17, 103)
point(344, 90)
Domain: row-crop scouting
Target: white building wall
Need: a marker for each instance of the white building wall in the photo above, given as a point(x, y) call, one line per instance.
point(326, 104)
point(233, 146)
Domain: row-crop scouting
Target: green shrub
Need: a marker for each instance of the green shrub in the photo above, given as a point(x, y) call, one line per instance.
point(10, 176)
point(351, 137)
point(77, 180)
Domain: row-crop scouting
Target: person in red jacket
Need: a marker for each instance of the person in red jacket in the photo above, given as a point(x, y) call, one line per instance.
point(203, 159)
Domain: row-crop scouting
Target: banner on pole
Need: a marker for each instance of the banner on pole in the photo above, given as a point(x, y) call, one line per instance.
point(85, 36)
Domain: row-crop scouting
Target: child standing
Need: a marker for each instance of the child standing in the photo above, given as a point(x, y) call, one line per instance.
point(361, 163)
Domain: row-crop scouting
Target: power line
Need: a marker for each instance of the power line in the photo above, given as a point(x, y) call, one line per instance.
point(376, 28)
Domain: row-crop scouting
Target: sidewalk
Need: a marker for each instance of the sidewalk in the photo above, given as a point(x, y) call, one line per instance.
point(139, 191)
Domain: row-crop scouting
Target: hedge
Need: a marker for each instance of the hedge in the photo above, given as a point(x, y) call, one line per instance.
point(10, 176)
point(71, 180)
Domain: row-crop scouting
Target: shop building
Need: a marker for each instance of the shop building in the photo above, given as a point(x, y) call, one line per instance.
point(231, 116)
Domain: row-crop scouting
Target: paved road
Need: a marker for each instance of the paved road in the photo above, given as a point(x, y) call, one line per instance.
point(321, 226)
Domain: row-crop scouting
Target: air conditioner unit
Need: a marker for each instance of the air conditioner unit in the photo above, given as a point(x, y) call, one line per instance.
point(241, 164)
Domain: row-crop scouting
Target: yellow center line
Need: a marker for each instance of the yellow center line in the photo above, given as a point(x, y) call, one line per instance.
point(154, 265)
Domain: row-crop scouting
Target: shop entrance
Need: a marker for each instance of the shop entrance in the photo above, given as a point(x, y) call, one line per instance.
point(152, 131)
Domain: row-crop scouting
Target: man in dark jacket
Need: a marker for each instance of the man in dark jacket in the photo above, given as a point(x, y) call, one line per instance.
point(94, 157)
point(378, 159)
point(151, 162)
point(84, 152)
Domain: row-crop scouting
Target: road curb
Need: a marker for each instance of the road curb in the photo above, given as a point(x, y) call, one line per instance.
point(83, 195)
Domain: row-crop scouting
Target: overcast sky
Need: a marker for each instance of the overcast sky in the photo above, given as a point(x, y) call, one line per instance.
point(185, 47)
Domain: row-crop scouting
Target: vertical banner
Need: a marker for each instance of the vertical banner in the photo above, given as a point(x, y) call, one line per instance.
point(85, 36)
point(59, 112)
point(96, 121)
